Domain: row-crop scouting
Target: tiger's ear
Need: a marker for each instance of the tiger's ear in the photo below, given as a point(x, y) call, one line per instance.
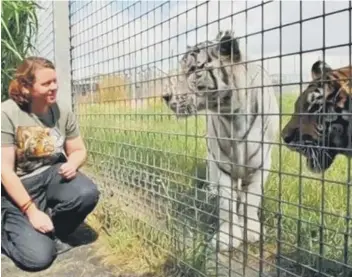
point(318, 68)
point(228, 45)
point(26, 134)
point(47, 131)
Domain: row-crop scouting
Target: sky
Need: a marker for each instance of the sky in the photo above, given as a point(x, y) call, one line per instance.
point(118, 36)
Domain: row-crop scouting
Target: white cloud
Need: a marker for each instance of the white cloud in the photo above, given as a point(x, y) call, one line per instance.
point(121, 40)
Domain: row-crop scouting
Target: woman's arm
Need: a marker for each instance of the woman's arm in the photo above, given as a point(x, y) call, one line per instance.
point(74, 147)
point(10, 180)
point(76, 151)
point(17, 192)
point(76, 156)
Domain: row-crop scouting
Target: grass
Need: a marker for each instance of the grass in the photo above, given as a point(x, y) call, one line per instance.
point(149, 150)
point(130, 244)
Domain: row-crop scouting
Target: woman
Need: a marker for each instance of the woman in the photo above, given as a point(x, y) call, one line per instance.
point(44, 196)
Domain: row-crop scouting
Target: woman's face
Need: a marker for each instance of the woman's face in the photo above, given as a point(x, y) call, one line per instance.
point(45, 87)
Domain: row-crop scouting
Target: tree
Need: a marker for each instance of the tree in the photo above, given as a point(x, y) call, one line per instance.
point(19, 28)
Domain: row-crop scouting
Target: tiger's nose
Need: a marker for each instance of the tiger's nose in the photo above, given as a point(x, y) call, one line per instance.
point(167, 97)
point(289, 135)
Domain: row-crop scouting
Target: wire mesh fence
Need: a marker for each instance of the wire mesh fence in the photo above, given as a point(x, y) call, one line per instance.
point(223, 152)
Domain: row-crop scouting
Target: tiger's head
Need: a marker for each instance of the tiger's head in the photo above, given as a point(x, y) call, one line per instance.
point(40, 146)
point(320, 127)
point(205, 81)
point(34, 142)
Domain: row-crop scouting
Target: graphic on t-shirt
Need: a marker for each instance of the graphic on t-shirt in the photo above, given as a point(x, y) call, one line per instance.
point(58, 140)
point(34, 142)
point(37, 146)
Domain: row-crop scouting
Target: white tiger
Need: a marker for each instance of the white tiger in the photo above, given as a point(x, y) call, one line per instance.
point(241, 117)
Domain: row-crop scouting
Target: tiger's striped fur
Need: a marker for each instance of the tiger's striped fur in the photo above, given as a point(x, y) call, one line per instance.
point(320, 138)
point(237, 125)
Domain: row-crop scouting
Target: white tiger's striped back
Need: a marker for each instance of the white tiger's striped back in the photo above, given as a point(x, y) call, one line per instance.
point(239, 146)
point(242, 122)
point(245, 134)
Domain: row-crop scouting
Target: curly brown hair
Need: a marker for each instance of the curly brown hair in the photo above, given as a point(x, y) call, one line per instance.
point(25, 77)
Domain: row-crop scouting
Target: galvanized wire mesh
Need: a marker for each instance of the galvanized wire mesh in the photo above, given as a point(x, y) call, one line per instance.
point(152, 164)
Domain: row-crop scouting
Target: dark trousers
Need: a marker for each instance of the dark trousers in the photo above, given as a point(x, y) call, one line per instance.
point(70, 201)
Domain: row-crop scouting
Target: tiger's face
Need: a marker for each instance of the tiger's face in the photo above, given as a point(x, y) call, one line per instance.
point(34, 142)
point(320, 127)
point(204, 83)
point(40, 146)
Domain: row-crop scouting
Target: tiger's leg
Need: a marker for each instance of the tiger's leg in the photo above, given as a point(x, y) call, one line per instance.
point(230, 233)
point(251, 197)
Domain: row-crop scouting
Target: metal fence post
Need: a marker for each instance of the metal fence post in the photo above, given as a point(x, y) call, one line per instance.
point(62, 51)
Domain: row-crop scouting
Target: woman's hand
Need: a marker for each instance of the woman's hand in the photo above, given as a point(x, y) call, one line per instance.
point(39, 220)
point(68, 170)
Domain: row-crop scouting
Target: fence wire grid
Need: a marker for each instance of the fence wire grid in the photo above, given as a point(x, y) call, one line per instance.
point(177, 133)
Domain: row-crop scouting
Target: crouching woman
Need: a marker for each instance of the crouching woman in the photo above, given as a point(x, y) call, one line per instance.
point(44, 197)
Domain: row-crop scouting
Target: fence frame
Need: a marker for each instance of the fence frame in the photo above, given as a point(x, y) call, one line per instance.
point(62, 51)
point(62, 58)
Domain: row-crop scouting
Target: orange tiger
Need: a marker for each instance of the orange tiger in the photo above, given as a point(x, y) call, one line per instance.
point(34, 142)
point(324, 131)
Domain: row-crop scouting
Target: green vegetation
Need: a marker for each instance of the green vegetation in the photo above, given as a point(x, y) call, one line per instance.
point(19, 25)
point(148, 150)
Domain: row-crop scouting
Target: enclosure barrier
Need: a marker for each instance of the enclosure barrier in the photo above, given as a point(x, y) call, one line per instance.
point(151, 164)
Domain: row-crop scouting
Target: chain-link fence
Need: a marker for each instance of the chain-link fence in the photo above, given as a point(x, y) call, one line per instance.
point(172, 156)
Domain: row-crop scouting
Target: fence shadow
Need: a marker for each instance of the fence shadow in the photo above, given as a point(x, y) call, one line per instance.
point(300, 263)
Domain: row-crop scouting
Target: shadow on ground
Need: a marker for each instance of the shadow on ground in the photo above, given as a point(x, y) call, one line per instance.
point(83, 235)
point(308, 265)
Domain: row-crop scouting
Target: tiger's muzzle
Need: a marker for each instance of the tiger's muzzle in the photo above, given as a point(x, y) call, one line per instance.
point(310, 143)
point(181, 105)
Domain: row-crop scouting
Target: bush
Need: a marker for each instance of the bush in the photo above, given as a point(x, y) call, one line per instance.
point(19, 26)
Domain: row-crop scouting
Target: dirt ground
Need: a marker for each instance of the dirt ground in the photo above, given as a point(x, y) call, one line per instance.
point(81, 260)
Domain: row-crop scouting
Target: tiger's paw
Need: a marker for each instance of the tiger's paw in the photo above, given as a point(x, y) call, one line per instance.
point(226, 241)
point(253, 231)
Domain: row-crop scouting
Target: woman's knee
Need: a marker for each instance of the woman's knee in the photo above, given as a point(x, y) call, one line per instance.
point(40, 260)
point(89, 198)
point(88, 193)
point(35, 255)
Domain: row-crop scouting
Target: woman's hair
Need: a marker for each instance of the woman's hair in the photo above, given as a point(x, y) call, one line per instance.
point(25, 77)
